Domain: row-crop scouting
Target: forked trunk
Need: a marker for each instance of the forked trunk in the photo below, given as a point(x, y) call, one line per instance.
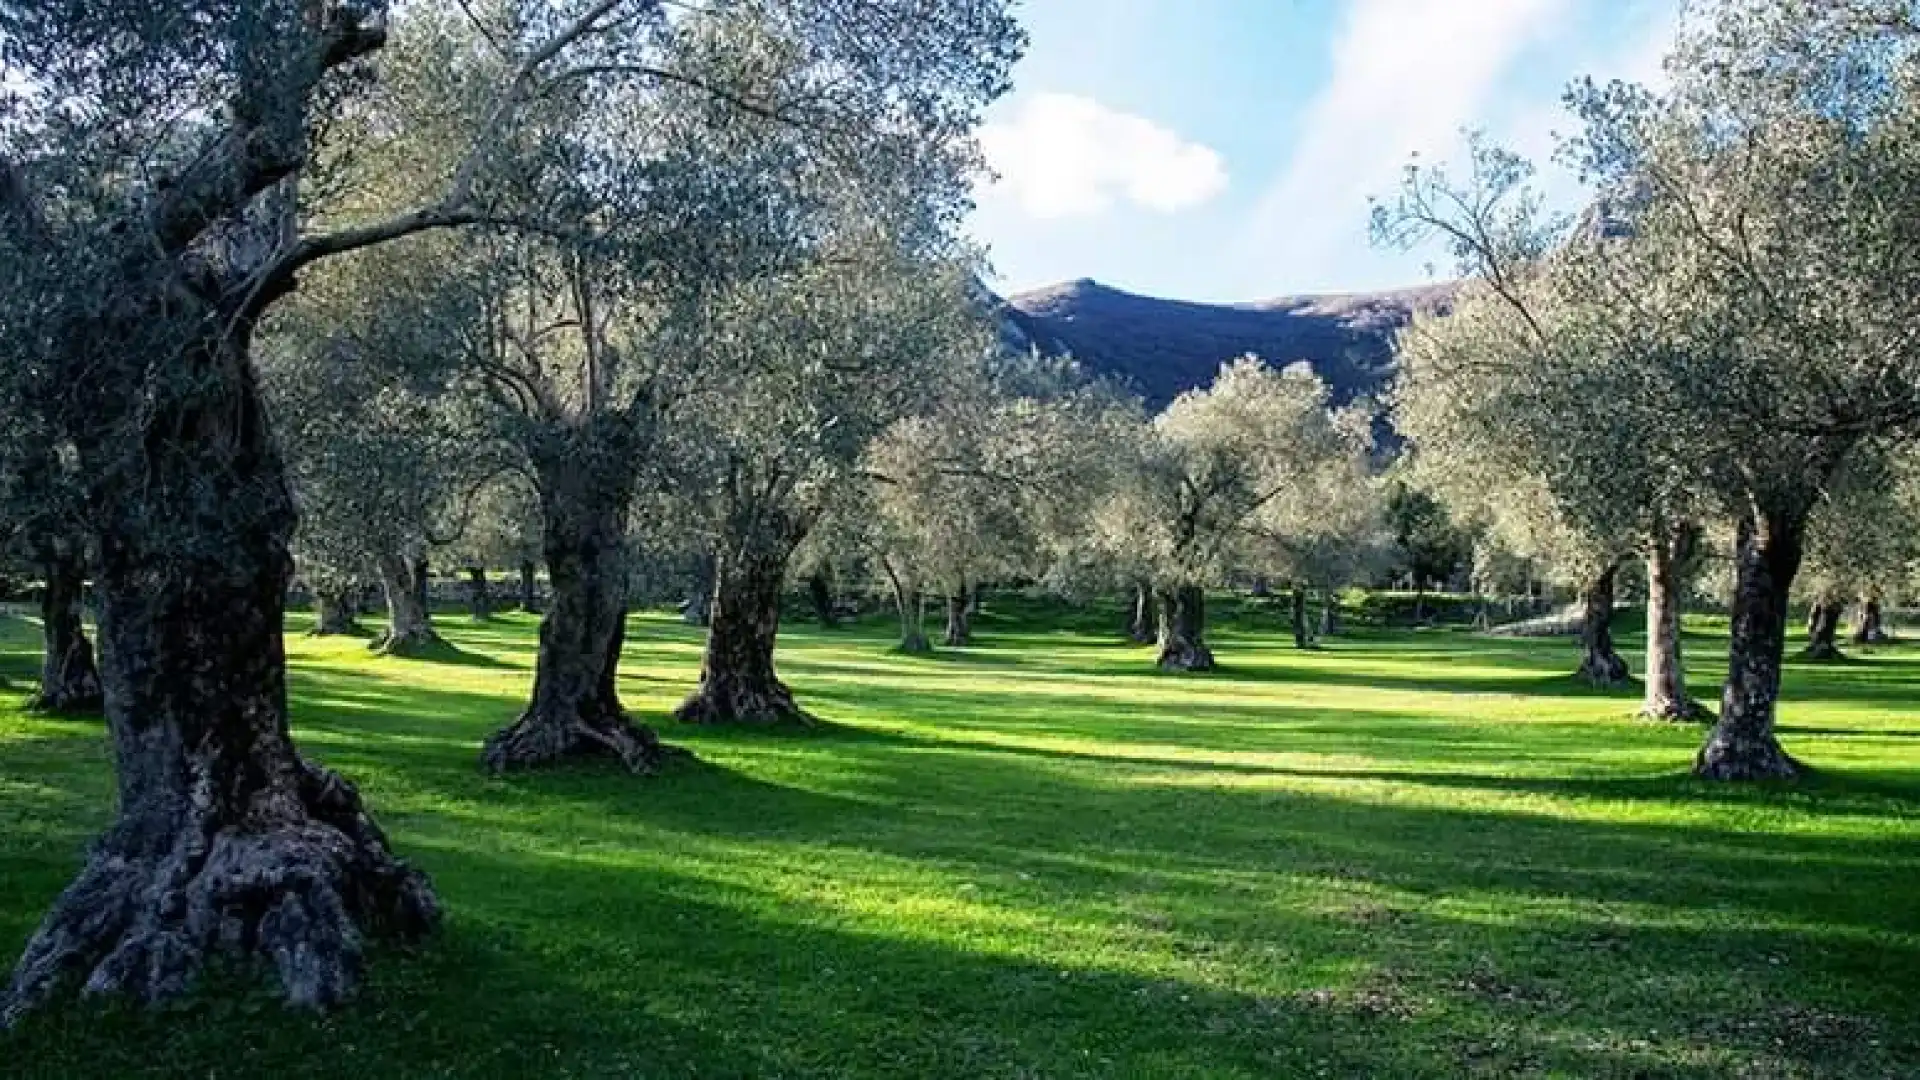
point(336, 611)
point(575, 711)
point(1600, 663)
point(912, 611)
point(1144, 625)
point(1742, 745)
point(1870, 628)
point(1183, 630)
point(959, 619)
point(820, 594)
point(410, 629)
point(1670, 561)
point(737, 680)
point(227, 842)
point(1302, 633)
point(479, 594)
point(529, 588)
point(1823, 631)
point(69, 678)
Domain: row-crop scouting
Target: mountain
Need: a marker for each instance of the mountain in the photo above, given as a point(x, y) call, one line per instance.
point(1162, 348)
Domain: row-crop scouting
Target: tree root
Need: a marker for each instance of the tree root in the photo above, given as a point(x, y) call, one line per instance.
point(1688, 711)
point(736, 702)
point(1603, 670)
point(539, 738)
point(300, 879)
point(408, 645)
point(1740, 759)
point(1185, 656)
point(1823, 652)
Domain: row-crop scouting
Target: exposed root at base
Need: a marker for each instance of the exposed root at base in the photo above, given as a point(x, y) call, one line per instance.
point(538, 739)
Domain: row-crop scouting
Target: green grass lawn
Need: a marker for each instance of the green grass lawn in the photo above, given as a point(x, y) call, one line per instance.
point(1406, 855)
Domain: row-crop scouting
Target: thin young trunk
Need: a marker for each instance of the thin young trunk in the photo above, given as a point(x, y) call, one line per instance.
point(959, 619)
point(1302, 635)
point(1600, 663)
point(1330, 614)
point(410, 629)
point(1183, 630)
point(1823, 631)
point(69, 678)
point(227, 842)
point(335, 612)
point(479, 594)
point(575, 709)
point(975, 597)
point(1870, 627)
point(1144, 626)
point(698, 608)
point(738, 684)
point(820, 593)
point(529, 588)
point(1670, 560)
point(1742, 745)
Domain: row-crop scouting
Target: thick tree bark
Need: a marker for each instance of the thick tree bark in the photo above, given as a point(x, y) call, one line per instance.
point(1144, 625)
point(820, 593)
point(1600, 663)
point(410, 629)
point(1870, 627)
point(335, 612)
point(1302, 633)
point(529, 588)
point(737, 680)
point(575, 711)
point(1742, 745)
point(69, 678)
point(1670, 561)
point(1823, 631)
point(959, 619)
point(479, 594)
point(1183, 630)
point(227, 842)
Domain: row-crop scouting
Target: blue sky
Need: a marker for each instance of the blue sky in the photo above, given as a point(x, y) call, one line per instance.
point(1225, 149)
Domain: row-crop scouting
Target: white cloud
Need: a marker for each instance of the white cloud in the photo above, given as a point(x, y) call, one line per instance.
point(1061, 155)
point(1407, 76)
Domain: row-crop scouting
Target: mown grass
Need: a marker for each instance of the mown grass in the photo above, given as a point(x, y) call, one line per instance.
point(1409, 854)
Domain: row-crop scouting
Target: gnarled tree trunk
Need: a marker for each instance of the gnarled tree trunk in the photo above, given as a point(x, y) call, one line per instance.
point(1670, 561)
point(585, 489)
point(959, 618)
point(1600, 663)
point(1302, 633)
point(1870, 627)
point(1183, 630)
point(336, 611)
point(69, 678)
point(1144, 624)
point(529, 587)
point(410, 629)
point(1742, 745)
point(911, 608)
point(1823, 631)
point(479, 594)
point(227, 842)
point(737, 680)
point(820, 594)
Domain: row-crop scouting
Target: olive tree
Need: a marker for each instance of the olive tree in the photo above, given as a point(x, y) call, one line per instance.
point(1210, 480)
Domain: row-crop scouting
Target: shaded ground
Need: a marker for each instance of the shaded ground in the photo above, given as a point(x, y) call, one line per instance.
point(1416, 854)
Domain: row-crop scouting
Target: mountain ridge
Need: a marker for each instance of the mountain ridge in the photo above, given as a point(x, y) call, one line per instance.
point(1162, 347)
